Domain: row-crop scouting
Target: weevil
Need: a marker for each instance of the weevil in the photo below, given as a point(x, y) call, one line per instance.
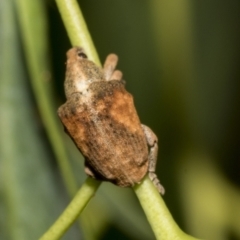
point(100, 117)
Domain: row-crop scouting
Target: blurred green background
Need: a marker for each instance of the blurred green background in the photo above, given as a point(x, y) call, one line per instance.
point(180, 59)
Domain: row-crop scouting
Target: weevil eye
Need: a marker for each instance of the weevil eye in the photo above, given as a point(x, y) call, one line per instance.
point(82, 55)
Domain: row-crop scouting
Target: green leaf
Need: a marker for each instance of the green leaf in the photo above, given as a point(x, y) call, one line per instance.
point(34, 35)
point(29, 187)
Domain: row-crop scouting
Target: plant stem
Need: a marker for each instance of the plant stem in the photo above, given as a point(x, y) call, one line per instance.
point(159, 217)
point(76, 27)
point(73, 210)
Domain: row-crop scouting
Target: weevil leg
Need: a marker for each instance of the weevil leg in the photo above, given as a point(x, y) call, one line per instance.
point(110, 66)
point(91, 172)
point(117, 75)
point(153, 151)
point(88, 170)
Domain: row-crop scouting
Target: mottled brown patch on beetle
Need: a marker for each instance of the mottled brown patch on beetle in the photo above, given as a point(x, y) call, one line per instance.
point(113, 97)
point(109, 133)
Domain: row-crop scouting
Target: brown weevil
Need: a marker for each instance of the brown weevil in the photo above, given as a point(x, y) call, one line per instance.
point(100, 117)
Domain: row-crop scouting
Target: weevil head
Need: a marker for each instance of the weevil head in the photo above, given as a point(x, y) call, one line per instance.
point(80, 72)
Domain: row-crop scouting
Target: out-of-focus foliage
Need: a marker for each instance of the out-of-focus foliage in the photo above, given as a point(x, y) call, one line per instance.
point(180, 60)
point(31, 196)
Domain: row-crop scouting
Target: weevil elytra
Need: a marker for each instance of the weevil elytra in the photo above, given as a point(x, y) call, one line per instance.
point(100, 117)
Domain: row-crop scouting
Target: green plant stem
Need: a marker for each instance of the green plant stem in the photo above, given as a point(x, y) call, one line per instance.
point(73, 210)
point(159, 217)
point(77, 28)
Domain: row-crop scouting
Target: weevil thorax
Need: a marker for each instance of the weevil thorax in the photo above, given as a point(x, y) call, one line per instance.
point(80, 73)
